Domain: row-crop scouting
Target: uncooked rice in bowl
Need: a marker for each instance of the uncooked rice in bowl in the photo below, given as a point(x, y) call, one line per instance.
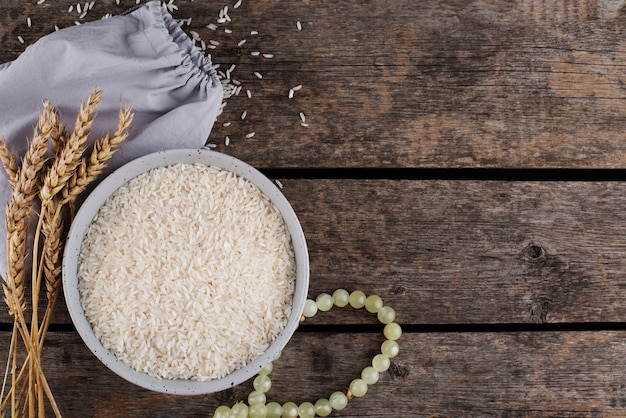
point(187, 272)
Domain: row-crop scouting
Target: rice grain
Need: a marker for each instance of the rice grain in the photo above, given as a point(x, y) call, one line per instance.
point(187, 272)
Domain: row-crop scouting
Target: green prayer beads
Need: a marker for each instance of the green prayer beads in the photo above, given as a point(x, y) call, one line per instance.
point(257, 406)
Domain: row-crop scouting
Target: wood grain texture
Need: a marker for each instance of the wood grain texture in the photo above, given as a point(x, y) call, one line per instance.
point(467, 252)
point(547, 374)
point(430, 84)
point(396, 84)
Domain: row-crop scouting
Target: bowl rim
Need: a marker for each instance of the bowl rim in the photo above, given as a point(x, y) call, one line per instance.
point(96, 199)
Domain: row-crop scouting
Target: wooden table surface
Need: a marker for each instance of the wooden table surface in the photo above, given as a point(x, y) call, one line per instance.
point(463, 160)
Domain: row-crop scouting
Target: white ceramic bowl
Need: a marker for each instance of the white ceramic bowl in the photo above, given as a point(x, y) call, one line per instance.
point(84, 218)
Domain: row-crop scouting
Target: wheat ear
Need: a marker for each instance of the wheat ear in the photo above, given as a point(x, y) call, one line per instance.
point(19, 213)
point(103, 150)
point(58, 135)
point(9, 162)
point(68, 158)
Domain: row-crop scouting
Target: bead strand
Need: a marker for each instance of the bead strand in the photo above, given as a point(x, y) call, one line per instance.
point(257, 406)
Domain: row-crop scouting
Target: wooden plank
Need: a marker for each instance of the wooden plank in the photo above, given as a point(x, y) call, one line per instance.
point(544, 374)
point(470, 251)
point(445, 252)
point(397, 84)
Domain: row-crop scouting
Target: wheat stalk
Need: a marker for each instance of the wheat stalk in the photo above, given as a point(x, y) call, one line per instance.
point(57, 185)
point(19, 211)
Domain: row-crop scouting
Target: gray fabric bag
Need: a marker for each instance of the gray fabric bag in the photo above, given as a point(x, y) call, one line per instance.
point(142, 59)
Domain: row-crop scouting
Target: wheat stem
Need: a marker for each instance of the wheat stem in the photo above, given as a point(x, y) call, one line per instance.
point(8, 368)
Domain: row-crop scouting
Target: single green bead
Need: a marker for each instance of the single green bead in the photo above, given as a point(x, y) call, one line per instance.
point(239, 410)
point(324, 302)
point(310, 308)
point(257, 410)
point(370, 375)
point(306, 410)
point(278, 356)
point(338, 400)
point(358, 387)
point(262, 383)
point(380, 362)
point(274, 410)
point(256, 397)
point(290, 410)
point(386, 315)
point(267, 369)
point(392, 331)
point(390, 348)
point(357, 299)
point(323, 408)
point(373, 303)
point(340, 297)
point(222, 412)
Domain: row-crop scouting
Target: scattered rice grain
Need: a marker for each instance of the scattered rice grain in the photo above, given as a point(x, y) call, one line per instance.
point(255, 53)
point(306, 125)
point(291, 92)
point(19, 38)
point(29, 22)
point(240, 43)
point(278, 183)
point(302, 117)
point(258, 75)
point(227, 141)
point(236, 6)
point(268, 55)
point(296, 88)
point(226, 124)
point(249, 93)
point(299, 25)
point(250, 135)
point(244, 114)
